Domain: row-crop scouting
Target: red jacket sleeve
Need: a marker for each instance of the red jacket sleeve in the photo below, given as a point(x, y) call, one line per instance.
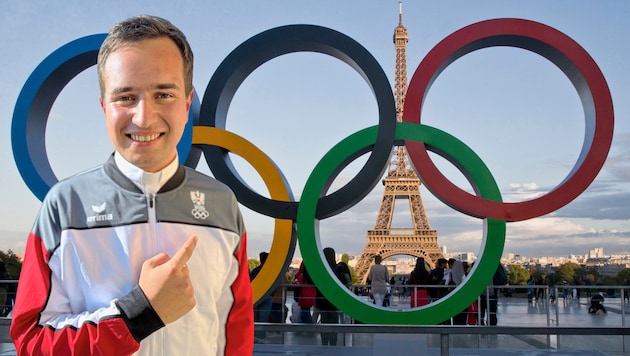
point(240, 322)
point(107, 336)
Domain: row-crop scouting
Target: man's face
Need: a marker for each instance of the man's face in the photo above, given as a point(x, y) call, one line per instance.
point(144, 101)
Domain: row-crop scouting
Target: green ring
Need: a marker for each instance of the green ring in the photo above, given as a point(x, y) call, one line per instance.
point(446, 146)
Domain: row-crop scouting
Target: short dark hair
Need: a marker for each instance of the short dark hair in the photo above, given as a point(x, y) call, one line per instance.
point(263, 257)
point(144, 27)
point(331, 257)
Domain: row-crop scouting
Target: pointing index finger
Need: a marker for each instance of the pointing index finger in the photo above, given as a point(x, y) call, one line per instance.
point(182, 256)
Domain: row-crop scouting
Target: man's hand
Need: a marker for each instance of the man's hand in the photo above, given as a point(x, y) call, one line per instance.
point(166, 283)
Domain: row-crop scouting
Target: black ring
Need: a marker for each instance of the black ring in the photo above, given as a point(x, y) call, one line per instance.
point(273, 43)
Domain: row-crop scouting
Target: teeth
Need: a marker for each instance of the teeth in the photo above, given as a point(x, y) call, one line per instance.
point(144, 138)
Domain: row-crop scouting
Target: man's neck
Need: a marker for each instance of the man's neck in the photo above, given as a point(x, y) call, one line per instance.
point(148, 182)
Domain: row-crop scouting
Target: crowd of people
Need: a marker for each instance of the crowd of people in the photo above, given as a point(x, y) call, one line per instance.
point(309, 306)
point(422, 286)
point(426, 285)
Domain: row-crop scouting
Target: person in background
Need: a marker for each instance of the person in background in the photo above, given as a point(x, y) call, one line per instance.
point(278, 302)
point(456, 277)
point(140, 255)
point(328, 312)
point(7, 289)
point(447, 271)
point(472, 311)
point(379, 279)
point(418, 279)
point(596, 305)
point(262, 309)
point(489, 299)
point(531, 291)
point(437, 278)
point(305, 294)
point(349, 279)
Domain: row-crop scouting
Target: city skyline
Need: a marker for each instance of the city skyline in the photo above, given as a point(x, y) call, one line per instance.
point(514, 109)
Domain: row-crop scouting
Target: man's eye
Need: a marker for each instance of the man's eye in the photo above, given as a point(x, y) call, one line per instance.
point(124, 98)
point(164, 95)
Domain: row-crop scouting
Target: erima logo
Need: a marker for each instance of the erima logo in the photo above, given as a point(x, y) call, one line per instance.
point(99, 216)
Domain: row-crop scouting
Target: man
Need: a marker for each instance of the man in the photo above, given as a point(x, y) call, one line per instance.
point(140, 254)
point(489, 299)
point(436, 277)
point(328, 311)
point(446, 278)
point(262, 309)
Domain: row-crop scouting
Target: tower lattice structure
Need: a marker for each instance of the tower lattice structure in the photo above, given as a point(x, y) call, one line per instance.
point(401, 182)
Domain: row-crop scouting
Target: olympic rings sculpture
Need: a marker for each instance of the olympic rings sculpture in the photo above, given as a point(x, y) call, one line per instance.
point(206, 133)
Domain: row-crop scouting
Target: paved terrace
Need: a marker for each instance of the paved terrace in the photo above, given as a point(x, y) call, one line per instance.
point(523, 329)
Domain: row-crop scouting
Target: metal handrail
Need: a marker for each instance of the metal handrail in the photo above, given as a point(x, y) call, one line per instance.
point(444, 331)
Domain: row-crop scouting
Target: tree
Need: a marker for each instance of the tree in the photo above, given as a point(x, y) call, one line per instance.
point(623, 276)
point(535, 273)
point(566, 272)
point(13, 262)
point(252, 263)
point(291, 273)
point(593, 275)
point(517, 275)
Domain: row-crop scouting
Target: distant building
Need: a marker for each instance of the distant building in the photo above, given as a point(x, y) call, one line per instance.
point(597, 261)
point(464, 256)
point(596, 253)
point(622, 260)
point(610, 270)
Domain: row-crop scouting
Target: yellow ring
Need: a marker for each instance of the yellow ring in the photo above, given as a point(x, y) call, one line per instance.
point(283, 228)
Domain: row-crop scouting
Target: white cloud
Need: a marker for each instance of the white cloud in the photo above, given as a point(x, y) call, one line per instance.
point(522, 191)
point(548, 226)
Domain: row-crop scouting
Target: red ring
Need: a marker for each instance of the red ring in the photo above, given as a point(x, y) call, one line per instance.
point(561, 50)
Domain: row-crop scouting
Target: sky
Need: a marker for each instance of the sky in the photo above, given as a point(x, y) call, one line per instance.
point(515, 109)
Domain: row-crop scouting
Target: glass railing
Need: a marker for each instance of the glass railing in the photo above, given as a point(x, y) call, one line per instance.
point(555, 319)
point(527, 318)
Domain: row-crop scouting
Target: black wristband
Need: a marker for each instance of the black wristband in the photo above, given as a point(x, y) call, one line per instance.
point(138, 314)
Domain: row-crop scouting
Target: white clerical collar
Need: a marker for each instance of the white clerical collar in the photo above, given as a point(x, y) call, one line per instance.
point(149, 183)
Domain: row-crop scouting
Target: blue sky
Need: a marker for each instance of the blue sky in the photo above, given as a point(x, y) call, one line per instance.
point(516, 110)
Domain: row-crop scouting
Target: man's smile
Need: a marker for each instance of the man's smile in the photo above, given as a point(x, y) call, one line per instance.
point(144, 138)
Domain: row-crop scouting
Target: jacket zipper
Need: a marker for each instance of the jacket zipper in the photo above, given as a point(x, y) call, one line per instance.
point(158, 347)
point(152, 219)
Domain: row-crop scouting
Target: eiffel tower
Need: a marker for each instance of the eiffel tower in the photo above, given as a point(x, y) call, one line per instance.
point(401, 182)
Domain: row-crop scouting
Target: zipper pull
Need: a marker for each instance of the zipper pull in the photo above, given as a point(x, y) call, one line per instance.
point(151, 183)
point(151, 200)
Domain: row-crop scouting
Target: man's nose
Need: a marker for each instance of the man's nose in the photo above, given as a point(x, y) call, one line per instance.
point(144, 114)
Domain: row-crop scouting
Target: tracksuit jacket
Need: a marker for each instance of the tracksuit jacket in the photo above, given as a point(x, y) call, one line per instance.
point(78, 292)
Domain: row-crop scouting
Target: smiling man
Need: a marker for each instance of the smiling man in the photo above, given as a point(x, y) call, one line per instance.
point(140, 255)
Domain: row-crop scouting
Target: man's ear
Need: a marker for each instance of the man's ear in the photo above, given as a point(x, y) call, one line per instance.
point(190, 99)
